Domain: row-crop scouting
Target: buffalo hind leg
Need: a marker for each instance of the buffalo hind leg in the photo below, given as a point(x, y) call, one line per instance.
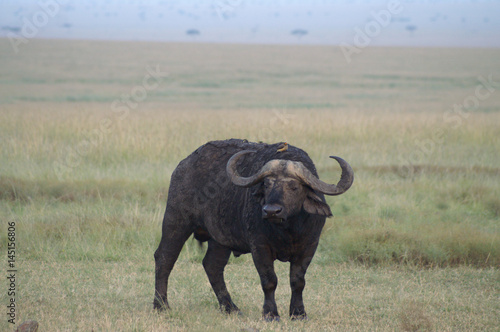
point(214, 263)
point(172, 241)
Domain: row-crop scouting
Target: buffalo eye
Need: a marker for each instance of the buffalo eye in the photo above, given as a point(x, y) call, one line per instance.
point(259, 194)
point(267, 183)
point(294, 186)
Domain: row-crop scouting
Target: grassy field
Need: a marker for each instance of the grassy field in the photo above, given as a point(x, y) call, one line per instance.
point(90, 133)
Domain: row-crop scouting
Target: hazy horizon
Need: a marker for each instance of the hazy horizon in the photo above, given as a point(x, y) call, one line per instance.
point(334, 22)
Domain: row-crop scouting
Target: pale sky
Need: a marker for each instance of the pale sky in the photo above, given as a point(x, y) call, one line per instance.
point(472, 23)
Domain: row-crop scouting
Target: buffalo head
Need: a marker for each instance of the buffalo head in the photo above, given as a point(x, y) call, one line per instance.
point(288, 186)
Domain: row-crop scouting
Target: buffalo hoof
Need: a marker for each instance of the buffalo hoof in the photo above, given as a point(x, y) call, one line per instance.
point(237, 313)
point(159, 306)
point(229, 308)
point(299, 317)
point(232, 311)
point(270, 317)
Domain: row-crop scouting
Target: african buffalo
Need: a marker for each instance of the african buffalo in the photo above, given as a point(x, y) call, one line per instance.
point(275, 209)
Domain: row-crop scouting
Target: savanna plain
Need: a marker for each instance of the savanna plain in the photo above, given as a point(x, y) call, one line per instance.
point(90, 133)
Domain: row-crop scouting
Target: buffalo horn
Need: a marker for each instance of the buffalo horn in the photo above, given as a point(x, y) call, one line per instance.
point(240, 180)
point(345, 182)
point(298, 169)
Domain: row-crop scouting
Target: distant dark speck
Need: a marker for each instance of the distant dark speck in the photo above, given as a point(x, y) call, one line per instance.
point(11, 29)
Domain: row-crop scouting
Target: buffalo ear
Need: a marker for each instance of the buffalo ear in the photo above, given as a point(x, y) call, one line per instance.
point(314, 205)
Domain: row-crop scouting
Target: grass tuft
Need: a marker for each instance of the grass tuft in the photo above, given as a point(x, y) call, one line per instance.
point(413, 317)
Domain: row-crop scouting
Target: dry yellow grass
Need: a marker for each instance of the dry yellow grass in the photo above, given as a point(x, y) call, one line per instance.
point(84, 176)
point(116, 296)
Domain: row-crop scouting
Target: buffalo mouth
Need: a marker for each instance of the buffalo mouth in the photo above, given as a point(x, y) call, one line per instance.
point(274, 219)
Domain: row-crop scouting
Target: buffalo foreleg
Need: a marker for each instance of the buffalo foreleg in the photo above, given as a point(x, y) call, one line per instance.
point(298, 268)
point(214, 263)
point(297, 284)
point(264, 263)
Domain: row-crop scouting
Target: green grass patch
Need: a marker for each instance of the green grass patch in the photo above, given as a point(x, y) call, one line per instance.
point(413, 245)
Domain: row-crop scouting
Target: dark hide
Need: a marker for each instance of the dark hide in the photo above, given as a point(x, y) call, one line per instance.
point(203, 201)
